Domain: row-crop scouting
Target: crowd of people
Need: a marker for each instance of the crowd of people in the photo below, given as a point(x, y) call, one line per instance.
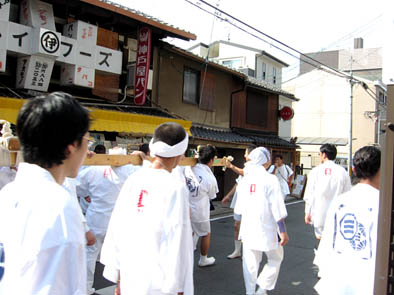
point(144, 223)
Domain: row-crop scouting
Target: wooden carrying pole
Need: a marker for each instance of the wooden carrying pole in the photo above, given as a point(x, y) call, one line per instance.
point(110, 160)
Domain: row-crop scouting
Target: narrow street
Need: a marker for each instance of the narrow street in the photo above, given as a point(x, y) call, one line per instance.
point(297, 276)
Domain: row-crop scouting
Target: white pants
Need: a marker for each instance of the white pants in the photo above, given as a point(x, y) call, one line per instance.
point(92, 253)
point(250, 263)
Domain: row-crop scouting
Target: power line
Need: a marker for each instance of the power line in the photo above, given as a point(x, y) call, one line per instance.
point(319, 65)
point(338, 73)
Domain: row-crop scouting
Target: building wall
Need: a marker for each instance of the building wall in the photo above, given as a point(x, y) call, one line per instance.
point(226, 51)
point(170, 90)
point(323, 111)
point(329, 58)
point(284, 127)
point(270, 64)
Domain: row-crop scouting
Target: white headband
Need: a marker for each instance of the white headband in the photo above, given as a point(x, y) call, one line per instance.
point(259, 156)
point(164, 150)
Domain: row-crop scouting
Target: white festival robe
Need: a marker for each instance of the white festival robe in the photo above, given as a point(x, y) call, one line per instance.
point(203, 193)
point(283, 173)
point(146, 235)
point(325, 182)
point(261, 205)
point(102, 184)
point(347, 251)
point(6, 176)
point(43, 236)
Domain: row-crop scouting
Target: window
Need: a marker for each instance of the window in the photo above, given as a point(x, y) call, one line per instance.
point(233, 63)
point(257, 109)
point(274, 75)
point(263, 71)
point(191, 86)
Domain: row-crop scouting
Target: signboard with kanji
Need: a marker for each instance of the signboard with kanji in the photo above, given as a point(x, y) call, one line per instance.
point(34, 72)
point(38, 46)
point(141, 73)
point(5, 9)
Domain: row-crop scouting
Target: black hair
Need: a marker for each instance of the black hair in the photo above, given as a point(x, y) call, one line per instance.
point(278, 156)
point(170, 133)
point(46, 125)
point(366, 162)
point(206, 154)
point(330, 150)
point(100, 149)
point(144, 147)
point(251, 148)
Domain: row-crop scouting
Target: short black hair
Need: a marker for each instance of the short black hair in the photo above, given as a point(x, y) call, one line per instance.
point(46, 125)
point(100, 149)
point(144, 147)
point(206, 154)
point(278, 156)
point(170, 133)
point(330, 150)
point(366, 162)
point(251, 148)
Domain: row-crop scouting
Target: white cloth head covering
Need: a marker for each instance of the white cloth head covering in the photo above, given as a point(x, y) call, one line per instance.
point(259, 156)
point(164, 150)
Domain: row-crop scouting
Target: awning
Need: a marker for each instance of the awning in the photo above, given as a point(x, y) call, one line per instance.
point(322, 140)
point(102, 120)
point(9, 108)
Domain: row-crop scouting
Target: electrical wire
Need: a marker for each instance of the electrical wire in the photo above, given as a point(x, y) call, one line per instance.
point(319, 65)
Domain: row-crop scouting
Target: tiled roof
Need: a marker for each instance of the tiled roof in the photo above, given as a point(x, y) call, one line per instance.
point(121, 9)
point(229, 136)
point(218, 135)
point(270, 87)
point(272, 141)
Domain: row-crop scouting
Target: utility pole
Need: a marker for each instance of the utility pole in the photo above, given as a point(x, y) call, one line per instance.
point(351, 81)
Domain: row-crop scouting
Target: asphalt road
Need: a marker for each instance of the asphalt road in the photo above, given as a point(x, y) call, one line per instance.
point(297, 275)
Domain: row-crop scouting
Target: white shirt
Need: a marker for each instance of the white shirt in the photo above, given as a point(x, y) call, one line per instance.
point(6, 176)
point(283, 173)
point(147, 235)
point(43, 236)
point(347, 251)
point(325, 182)
point(205, 191)
point(102, 184)
point(261, 205)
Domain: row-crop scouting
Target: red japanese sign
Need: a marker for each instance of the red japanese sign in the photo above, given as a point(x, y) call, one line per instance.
point(286, 113)
point(142, 65)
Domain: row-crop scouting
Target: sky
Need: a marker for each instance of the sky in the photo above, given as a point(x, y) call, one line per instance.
point(305, 25)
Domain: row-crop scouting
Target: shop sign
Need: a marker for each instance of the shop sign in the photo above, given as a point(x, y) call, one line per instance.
point(5, 9)
point(37, 14)
point(286, 113)
point(34, 72)
point(141, 73)
point(37, 38)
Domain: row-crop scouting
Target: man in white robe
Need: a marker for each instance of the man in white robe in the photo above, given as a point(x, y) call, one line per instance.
point(199, 199)
point(325, 182)
point(284, 174)
point(347, 252)
point(263, 212)
point(40, 222)
point(148, 230)
point(7, 174)
point(237, 217)
point(102, 184)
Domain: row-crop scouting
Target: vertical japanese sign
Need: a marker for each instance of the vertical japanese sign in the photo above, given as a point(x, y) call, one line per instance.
point(142, 65)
